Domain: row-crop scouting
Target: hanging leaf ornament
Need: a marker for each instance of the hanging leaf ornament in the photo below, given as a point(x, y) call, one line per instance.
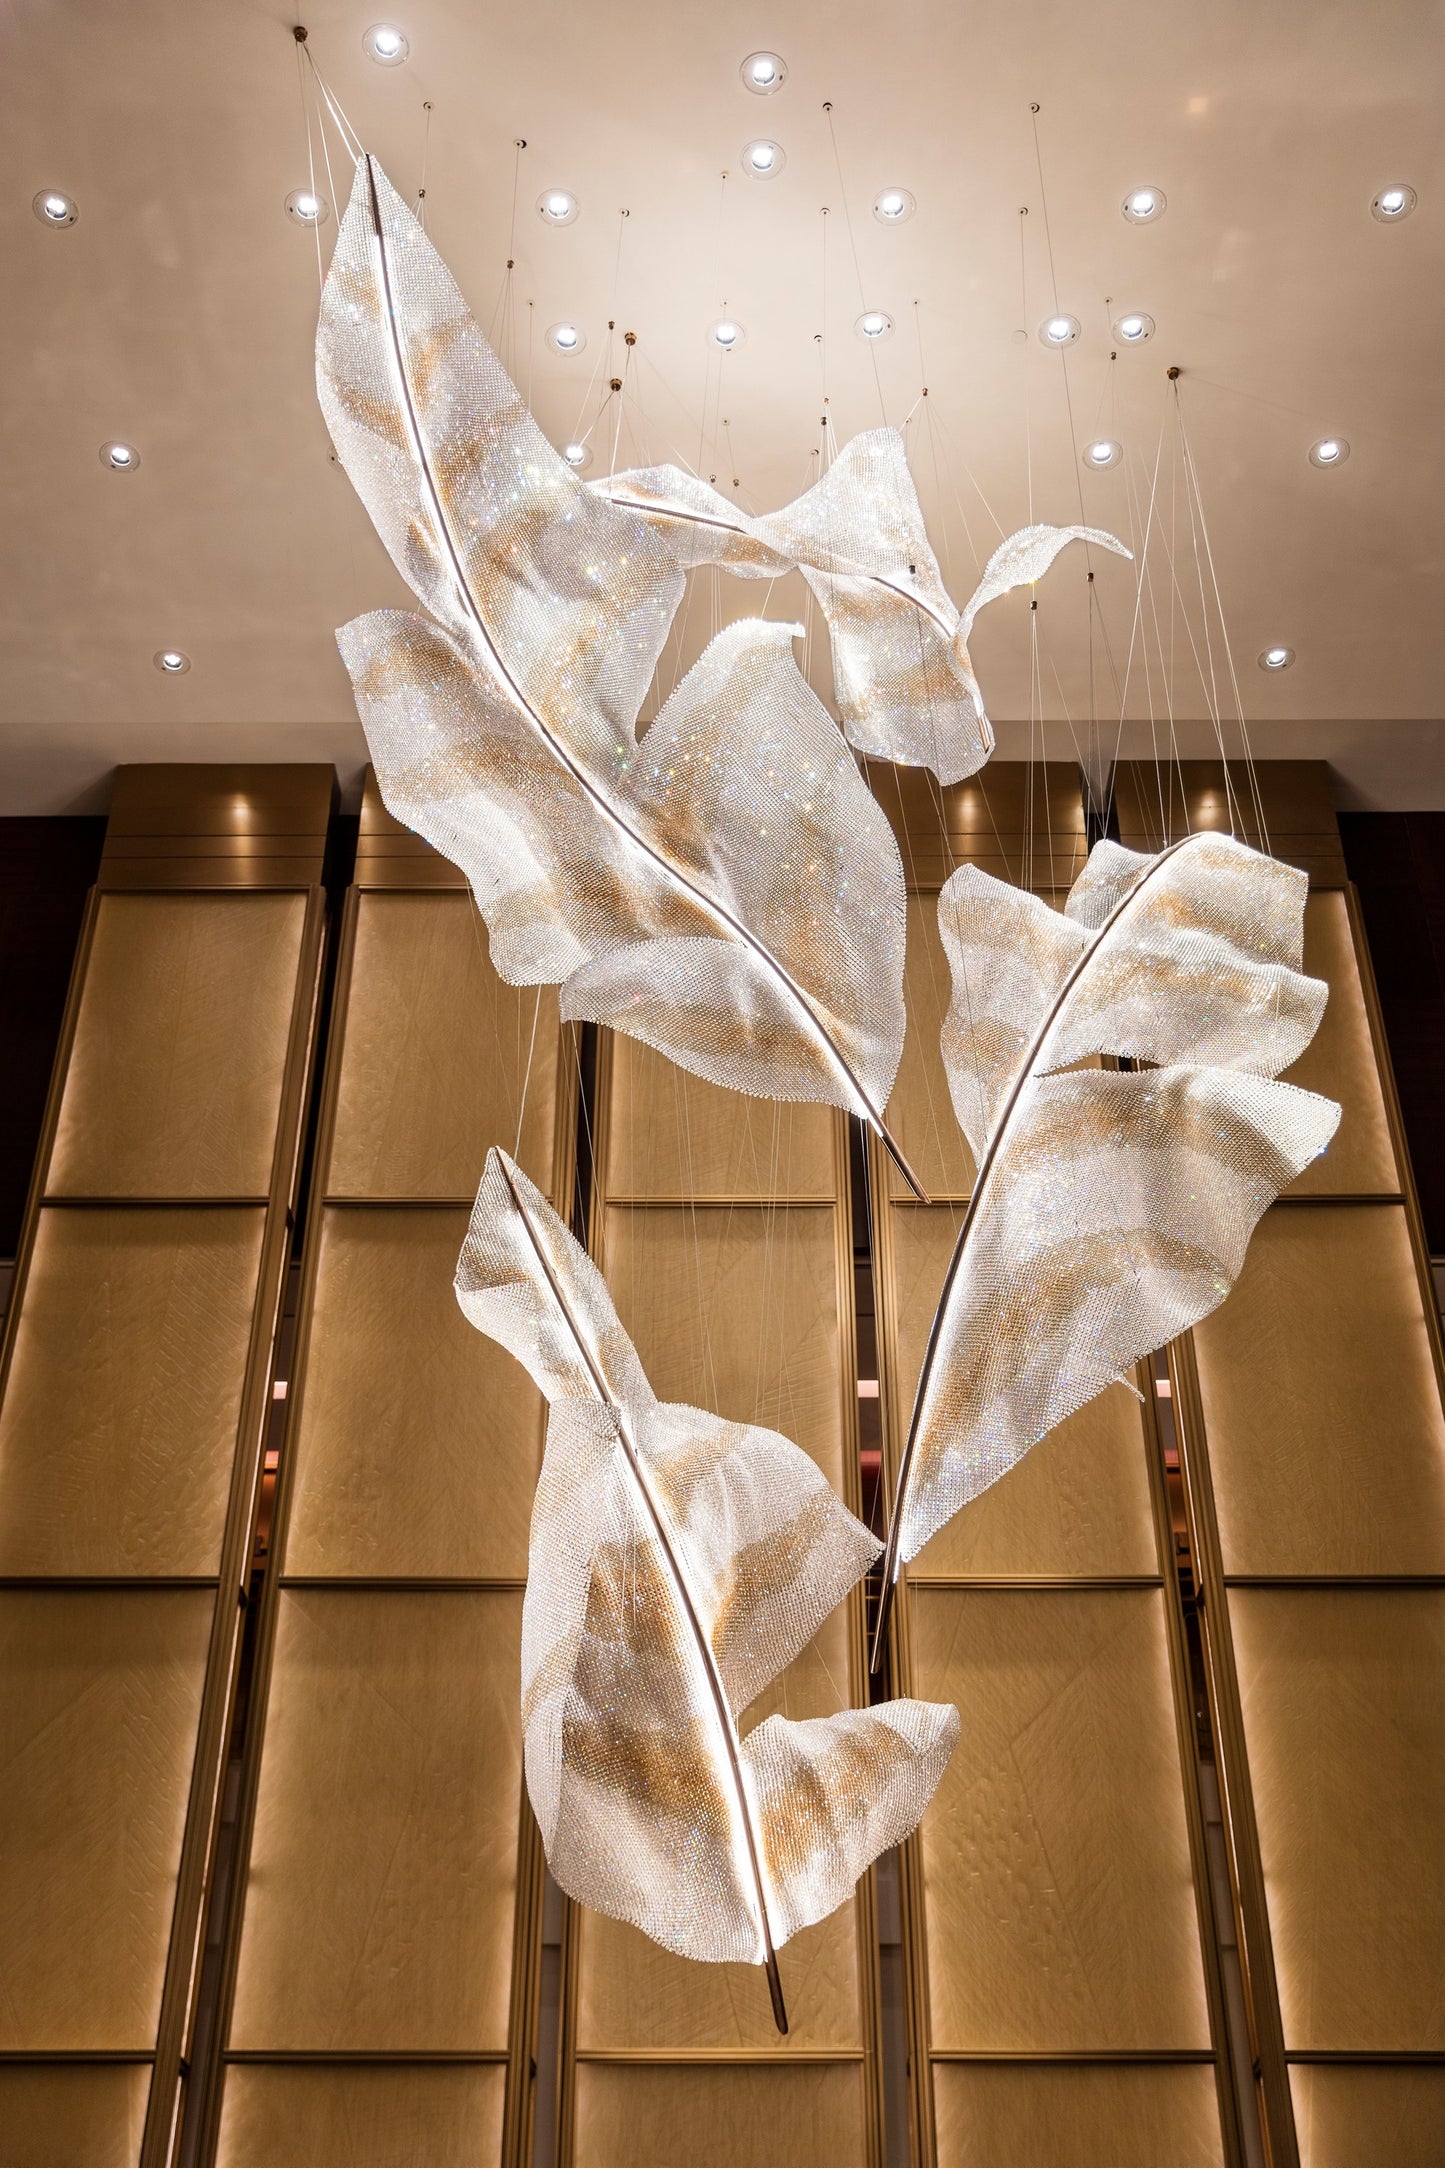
point(727, 889)
point(1110, 1210)
point(678, 1563)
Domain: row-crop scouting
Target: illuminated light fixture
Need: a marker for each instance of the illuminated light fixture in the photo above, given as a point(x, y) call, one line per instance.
point(1276, 658)
point(764, 160)
point(727, 333)
point(1143, 205)
point(1394, 203)
point(1101, 453)
point(557, 207)
point(763, 73)
point(54, 208)
point(120, 458)
point(892, 205)
point(578, 456)
point(566, 338)
point(171, 662)
point(1133, 328)
point(307, 208)
point(1329, 452)
point(386, 45)
point(873, 325)
point(1059, 330)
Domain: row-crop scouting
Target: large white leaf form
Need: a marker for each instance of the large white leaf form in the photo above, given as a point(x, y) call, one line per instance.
point(727, 889)
point(1110, 1211)
point(678, 1562)
point(905, 687)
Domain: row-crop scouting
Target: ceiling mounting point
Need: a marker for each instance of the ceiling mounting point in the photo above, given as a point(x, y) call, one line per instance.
point(298, 32)
point(1174, 374)
point(629, 338)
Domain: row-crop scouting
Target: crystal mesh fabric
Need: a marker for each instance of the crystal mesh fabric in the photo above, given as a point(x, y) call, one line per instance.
point(671, 1549)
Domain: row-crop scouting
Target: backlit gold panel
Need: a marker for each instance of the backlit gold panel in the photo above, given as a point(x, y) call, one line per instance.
point(1320, 1401)
point(419, 1439)
point(1061, 1910)
point(1358, 2117)
point(920, 1111)
point(993, 2115)
point(1077, 1504)
point(329, 2117)
point(1343, 1692)
point(751, 2115)
point(85, 2116)
point(174, 1083)
point(119, 1421)
point(99, 1695)
point(1340, 1061)
point(436, 1054)
point(671, 1135)
point(383, 1867)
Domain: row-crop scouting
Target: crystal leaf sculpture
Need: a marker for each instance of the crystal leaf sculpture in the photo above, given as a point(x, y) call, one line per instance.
point(678, 1562)
point(905, 687)
point(727, 890)
point(1110, 1210)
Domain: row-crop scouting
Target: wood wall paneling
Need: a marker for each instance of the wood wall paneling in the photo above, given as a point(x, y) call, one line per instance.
point(281, 2115)
point(1115, 2115)
point(1353, 2115)
point(86, 2115)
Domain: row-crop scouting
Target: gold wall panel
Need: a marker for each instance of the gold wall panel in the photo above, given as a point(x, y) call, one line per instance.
point(669, 1134)
point(332, 2117)
point(997, 2115)
point(1343, 1693)
point(86, 2115)
point(920, 1111)
point(435, 1055)
point(1340, 1062)
point(1061, 1910)
point(99, 1697)
point(1362, 2117)
point(383, 1864)
point(419, 1439)
point(1077, 1504)
point(749, 2115)
point(174, 1084)
point(1320, 1400)
point(118, 1427)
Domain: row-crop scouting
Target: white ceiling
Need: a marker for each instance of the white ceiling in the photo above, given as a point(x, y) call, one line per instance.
point(179, 312)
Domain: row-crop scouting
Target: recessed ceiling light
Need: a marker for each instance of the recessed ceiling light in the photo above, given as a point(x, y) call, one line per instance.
point(1133, 328)
point(306, 207)
point(1102, 452)
point(578, 456)
point(557, 207)
point(874, 324)
point(892, 205)
point(1059, 330)
point(54, 208)
point(386, 45)
point(566, 338)
point(171, 662)
point(1329, 452)
point(727, 333)
point(763, 73)
point(1276, 658)
point(764, 160)
point(120, 458)
point(1142, 205)
point(1394, 203)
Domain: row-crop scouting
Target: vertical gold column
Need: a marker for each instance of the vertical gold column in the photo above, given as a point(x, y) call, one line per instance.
point(1065, 2000)
point(380, 1987)
point(136, 1369)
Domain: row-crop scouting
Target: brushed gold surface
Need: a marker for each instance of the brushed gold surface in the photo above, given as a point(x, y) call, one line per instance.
point(1369, 2117)
point(285, 2116)
point(174, 1083)
point(383, 1865)
point(99, 1696)
point(1059, 1892)
point(85, 2115)
point(119, 1420)
point(1326, 1436)
point(436, 1055)
point(992, 2115)
point(672, 1135)
point(747, 2116)
point(1340, 1062)
point(419, 1440)
point(920, 1111)
point(1343, 1693)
